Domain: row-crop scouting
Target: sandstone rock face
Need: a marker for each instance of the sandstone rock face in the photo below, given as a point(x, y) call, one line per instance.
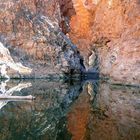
point(38, 32)
point(113, 27)
point(32, 32)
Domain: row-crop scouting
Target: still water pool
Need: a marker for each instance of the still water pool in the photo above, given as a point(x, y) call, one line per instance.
point(87, 110)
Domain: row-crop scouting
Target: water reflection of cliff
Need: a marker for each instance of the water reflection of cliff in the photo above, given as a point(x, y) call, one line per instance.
point(43, 118)
point(6, 93)
point(113, 114)
point(76, 111)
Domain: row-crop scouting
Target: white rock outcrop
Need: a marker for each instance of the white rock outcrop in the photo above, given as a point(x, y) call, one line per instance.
point(6, 61)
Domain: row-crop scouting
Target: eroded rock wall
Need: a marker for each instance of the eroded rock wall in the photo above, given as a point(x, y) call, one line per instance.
point(32, 31)
point(112, 27)
point(107, 33)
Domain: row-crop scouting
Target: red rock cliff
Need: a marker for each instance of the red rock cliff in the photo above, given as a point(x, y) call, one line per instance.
point(107, 33)
point(113, 28)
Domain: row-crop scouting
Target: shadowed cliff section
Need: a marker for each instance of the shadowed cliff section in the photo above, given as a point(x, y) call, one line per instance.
point(67, 12)
point(32, 33)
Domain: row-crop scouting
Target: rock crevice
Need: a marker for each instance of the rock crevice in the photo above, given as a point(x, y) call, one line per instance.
point(112, 27)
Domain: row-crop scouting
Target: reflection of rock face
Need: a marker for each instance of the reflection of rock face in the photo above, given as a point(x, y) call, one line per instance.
point(45, 117)
point(66, 111)
point(117, 115)
point(7, 93)
point(78, 116)
point(113, 115)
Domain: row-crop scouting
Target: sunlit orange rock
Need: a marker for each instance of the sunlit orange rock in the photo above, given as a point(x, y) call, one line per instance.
point(116, 21)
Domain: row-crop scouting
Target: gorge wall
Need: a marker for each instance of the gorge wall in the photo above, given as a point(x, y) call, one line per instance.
point(106, 32)
point(32, 33)
point(110, 28)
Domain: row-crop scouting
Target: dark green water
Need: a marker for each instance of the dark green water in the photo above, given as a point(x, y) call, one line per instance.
point(90, 110)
